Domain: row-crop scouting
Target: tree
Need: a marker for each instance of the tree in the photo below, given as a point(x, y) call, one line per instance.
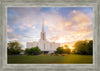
point(59, 50)
point(67, 49)
point(14, 48)
point(63, 50)
point(84, 47)
point(28, 51)
point(33, 51)
point(90, 47)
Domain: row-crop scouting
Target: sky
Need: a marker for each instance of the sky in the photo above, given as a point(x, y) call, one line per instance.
point(61, 24)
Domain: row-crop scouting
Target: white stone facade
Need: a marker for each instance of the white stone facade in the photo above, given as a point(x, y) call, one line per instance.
point(43, 44)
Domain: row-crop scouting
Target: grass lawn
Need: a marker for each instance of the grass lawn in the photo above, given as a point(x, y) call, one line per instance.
point(68, 59)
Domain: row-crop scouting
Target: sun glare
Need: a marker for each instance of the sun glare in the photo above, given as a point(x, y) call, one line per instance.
point(64, 47)
point(71, 47)
point(61, 40)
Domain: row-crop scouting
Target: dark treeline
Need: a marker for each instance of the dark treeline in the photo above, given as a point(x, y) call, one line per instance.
point(81, 47)
point(84, 47)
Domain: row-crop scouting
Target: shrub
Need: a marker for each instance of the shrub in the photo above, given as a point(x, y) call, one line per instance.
point(33, 51)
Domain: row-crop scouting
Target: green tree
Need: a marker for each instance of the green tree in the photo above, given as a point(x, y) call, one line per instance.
point(66, 49)
point(63, 50)
point(14, 48)
point(33, 51)
point(84, 47)
point(28, 51)
point(59, 50)
point(90, 47)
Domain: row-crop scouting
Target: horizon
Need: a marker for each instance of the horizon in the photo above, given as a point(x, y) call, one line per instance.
point(62, 24)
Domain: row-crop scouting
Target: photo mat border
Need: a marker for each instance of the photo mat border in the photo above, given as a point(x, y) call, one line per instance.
point(47, 67)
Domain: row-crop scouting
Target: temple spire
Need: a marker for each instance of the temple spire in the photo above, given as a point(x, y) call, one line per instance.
point(43, 25)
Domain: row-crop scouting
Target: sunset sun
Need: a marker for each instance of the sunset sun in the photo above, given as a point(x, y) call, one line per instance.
point(71, 47)
point(61, 40)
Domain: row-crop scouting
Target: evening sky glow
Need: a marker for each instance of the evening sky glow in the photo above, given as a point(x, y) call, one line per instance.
point(62, 24)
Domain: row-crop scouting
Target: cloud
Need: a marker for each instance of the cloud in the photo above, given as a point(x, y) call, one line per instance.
point(27, 22)
point(53, 39)
point(23, 18)
point(68, 23)
point(75, 27)
point(13, 36)
point(9, 29)
point(83, 20)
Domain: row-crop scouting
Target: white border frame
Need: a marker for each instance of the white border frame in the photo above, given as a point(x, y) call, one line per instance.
point(65, 3)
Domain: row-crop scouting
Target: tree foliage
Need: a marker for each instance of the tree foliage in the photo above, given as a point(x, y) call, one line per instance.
point(33, 51)
point(63, 50)
point(67, 49)
point(84, 47)
point(59, 50)
point(14, 48)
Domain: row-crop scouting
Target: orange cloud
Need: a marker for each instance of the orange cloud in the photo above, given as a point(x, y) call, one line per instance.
point(81, 19)
point(74, 11)
point(53, 38)
point(51, 29)
point(72, 29)
point(9, 29)
point(68, 23)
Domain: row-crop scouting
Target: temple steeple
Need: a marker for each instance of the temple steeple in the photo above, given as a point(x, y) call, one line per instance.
point(43, 25)
point(43, 37)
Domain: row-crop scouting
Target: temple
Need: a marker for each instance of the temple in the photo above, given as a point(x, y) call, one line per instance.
point(43, 43)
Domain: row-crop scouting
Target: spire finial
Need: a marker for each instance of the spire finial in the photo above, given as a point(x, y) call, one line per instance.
point(42, 24)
